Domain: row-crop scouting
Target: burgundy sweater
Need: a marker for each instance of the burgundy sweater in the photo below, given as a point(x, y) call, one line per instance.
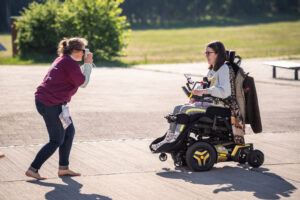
point(61, 82)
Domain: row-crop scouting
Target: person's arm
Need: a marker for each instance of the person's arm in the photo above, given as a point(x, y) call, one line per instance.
point(223, 89)
point(198, 91)
point(87, 69)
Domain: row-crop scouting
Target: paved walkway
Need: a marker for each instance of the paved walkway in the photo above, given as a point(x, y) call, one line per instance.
point(130, 104)
point(135, 99)
point(126, 170)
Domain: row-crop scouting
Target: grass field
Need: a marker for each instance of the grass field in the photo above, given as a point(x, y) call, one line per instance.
point(187, 44)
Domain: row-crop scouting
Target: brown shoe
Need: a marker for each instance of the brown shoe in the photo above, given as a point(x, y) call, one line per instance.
point(33, 174)
point(1, 155)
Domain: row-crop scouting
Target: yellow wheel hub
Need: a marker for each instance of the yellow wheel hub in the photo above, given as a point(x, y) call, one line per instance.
point(201, 157)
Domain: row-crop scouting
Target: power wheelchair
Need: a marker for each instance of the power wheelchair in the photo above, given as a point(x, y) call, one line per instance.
point(207, 137)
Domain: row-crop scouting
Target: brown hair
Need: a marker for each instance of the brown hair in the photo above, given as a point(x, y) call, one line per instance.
point(66, 46)
point(219, 49)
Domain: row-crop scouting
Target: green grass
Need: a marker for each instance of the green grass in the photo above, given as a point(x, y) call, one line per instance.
point(187, 44)
point(6, 56)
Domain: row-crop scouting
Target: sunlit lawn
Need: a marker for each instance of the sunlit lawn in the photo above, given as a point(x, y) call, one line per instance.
point(187, 44)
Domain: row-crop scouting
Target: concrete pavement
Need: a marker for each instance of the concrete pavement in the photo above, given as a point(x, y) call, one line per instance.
point(118, 115)
point(124, 169)
point(135, 99)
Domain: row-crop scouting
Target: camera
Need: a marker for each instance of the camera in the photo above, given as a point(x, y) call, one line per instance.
point(87, 51)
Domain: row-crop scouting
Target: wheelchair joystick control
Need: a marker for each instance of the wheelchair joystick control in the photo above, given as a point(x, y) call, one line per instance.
point(189, 79)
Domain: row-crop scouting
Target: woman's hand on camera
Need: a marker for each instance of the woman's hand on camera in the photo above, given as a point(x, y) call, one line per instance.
point(88, 58)
point(199, 92)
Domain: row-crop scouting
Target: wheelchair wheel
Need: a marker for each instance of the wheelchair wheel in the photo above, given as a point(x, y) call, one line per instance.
point(201, 156)
point(255, 158)
point(163, 157)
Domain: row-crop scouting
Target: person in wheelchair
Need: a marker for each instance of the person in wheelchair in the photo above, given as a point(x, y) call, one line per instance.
point(220, 79)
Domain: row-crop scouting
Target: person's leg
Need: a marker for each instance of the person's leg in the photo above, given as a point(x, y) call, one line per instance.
point(175, 129)
point(189, 110)
point(170, 132)
point(173, 133)
point(173, 124)
point(65, 148)
point(64, 153)
point(56, 136)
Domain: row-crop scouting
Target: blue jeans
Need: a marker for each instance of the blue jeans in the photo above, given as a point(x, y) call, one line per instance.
point(58, 137)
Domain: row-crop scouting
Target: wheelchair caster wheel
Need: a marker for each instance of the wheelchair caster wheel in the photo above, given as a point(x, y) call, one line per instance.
point(163, 157)
point(255, 158)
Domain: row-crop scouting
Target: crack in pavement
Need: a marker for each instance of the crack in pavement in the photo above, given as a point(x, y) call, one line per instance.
point(87, 175)
point(155, 171)
point(82, 142)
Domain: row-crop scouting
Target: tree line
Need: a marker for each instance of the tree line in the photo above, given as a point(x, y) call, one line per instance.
point(141, 13)
point(168, 12)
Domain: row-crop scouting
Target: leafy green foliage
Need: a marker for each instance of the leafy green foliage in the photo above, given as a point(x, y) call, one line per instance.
point(167, 13)
point(36, 29)
point(42, 26)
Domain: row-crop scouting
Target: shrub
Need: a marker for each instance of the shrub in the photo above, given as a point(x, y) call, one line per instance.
point(42, 26)
point(36, 29)
point(99, 21)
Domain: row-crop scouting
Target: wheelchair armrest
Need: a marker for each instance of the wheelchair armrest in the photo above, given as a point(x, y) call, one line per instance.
point(178, 118)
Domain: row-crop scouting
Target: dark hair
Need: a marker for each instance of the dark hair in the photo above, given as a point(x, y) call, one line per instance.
point(219, 49)
point(66, 46)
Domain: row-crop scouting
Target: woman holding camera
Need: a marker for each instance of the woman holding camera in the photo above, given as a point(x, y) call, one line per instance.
point(51, 97)
point(221, 78)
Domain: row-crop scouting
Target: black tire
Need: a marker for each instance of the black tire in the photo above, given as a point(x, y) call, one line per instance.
point(255, 158)
point(163, 157)
point(201, 156)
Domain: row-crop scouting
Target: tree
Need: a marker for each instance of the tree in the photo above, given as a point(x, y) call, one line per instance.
point(42, 26)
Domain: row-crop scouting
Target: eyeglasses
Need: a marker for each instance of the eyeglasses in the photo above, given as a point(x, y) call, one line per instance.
point(208, 52)
point(83, 50)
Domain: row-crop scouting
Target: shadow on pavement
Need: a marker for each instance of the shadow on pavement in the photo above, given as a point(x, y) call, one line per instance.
point(69, 191)
point(263, 184)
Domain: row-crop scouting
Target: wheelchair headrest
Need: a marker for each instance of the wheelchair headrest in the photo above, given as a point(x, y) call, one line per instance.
point(233, 60)
point(230, 55)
